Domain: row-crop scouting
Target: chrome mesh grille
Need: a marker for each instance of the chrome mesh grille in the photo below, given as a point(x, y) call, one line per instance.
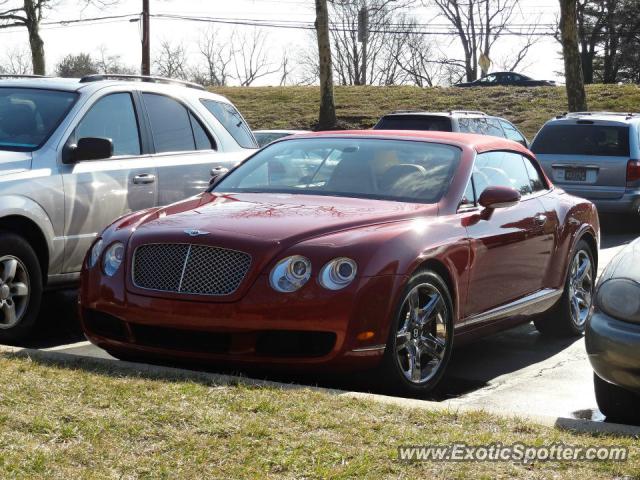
point(190, 269)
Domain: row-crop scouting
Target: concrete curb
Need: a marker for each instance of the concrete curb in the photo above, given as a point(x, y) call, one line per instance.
point(54, 357)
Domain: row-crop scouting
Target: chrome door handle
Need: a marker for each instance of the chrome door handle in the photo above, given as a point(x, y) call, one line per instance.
point(541, 219)
point(144, 179)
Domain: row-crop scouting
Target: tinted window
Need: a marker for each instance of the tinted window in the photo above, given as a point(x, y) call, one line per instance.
point(28, 116)
point(512, 132)
point(599, 140)
point(112, 117)
point(170, 124)
point(232, 121)
point(414, 122)
point(203, 142)
point(468, 125)
point(535, 179)
point(501, 169)
point(365, 168)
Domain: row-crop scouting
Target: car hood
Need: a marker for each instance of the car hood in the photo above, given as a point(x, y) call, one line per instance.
point(624, 264)
point(275, 217)
point(13, 162)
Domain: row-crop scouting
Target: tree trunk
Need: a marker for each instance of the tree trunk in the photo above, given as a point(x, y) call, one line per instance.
point(327, 119)
point(32, 14)
point(576, 95)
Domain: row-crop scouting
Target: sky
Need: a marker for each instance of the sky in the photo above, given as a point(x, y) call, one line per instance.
point(122, 37)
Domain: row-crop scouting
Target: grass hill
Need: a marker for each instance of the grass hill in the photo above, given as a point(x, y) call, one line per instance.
point(360, 107)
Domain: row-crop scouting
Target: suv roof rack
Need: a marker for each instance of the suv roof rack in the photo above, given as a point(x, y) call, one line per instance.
point(143, 78)
point(2, 75)
point(468, 112)
point(586, 114)
point(407, 111)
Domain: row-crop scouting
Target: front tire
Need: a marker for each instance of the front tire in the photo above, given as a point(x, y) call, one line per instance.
point(421, 336)
point(617, 404)
point(20, 288)
point(569, 316)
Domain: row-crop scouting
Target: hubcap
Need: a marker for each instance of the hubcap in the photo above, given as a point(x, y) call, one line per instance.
point(14, 291)
point(423, 331)
point(580, 288)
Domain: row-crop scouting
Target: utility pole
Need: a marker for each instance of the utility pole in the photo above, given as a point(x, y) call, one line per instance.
point(363, 37)
point(146, 44)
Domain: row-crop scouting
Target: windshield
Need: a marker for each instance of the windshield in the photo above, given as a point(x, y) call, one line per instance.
point(28, 116)
point(415, 122)
point(365, 168)
point(598, 140)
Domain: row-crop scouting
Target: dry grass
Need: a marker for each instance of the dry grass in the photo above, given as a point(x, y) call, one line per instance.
point(64, 423)
point(360, 107)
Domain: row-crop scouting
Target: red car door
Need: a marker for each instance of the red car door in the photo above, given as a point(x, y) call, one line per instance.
point(510, 247)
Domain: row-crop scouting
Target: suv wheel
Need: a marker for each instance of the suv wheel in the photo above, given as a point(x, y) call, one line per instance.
point(421, 336)
point(617, 404)
point(569, 316)
point(20, 288)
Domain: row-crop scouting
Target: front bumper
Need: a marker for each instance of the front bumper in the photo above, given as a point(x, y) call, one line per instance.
point(613, 347)
point(311, 327)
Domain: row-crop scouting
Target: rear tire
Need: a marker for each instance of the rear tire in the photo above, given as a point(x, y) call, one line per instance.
point(420, 338)
point(616, 403)
point(20, 288)
point(569, 316)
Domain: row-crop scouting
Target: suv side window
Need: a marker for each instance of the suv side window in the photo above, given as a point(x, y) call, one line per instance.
point(232, 121)
point(114, 117)
point(512, 133)
point(173, 126)
point(504, 169)
point(535, 179)
point(468, 125)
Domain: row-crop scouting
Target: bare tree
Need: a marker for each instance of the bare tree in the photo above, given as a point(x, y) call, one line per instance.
point(285, 69)
point(517, 56)
point(108, 63)
point(16, 62)
point(29, 14)
point(478, 25)
point(171, 60)
point(216, 56)
point(577, 98)
point(327, 117)
point(250, 58)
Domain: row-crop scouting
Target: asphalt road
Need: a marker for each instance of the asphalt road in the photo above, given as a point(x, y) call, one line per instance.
point(517, 371)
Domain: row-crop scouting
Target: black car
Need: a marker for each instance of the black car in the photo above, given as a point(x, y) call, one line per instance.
point(497, 79)
point(613, 337)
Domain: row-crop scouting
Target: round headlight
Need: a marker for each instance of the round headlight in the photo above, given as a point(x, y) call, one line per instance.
point(290, 274)
point(113, 258)
point(620, 298)
point(338, 273)
point(96, 251)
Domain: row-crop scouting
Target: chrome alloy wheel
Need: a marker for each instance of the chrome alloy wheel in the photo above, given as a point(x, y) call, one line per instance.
point(581, 288)
point(423, 331)
point(14, 291)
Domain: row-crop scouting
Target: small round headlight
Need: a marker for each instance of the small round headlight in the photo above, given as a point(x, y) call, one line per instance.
point(620, 298)
point(290, 274)
point(113, 258)
point(96, 251)
point(338, 273)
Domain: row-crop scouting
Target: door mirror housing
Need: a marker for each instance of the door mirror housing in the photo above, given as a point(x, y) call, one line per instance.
point(90, 148)
point(216, 174)
point(499, 197)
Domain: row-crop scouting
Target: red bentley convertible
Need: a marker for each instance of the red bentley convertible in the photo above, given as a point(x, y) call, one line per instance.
point(347, 250)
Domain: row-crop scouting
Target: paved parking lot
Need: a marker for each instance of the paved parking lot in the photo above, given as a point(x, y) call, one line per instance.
point(517, 371)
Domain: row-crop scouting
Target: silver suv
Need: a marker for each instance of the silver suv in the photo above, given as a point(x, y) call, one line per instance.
point(77, 154)
point(594, 155)
point(464, 121)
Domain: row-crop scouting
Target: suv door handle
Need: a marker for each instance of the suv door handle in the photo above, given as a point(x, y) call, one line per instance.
point(540, 219)
point(144, 179)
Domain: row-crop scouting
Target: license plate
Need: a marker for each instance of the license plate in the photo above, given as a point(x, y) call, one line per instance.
point(575, 174)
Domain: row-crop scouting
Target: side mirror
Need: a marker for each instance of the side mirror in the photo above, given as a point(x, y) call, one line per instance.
point(90, 148)
point(217, 173)
point(499, 197)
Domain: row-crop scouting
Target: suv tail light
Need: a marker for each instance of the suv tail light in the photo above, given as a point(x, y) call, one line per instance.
point(633, 171)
